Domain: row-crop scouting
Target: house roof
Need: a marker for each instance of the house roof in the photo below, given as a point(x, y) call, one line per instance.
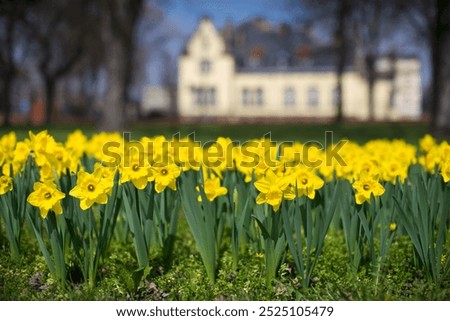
point(258, 45)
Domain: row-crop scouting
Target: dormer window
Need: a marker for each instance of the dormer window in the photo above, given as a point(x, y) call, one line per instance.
point(255, 57)
point(205, 66)
point(303, 52)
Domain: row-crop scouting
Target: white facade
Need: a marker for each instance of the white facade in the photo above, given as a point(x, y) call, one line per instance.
point(155, 99)
point(210, 86)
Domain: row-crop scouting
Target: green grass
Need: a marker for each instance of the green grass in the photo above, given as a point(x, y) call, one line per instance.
point(185, 277)
point(358, 132)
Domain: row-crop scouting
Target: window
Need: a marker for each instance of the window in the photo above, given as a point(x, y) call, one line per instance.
point(205, 66)
point(259, 97)
point(246, 101)
point(313, 97)
point(252, 97)
point(335, 97)
point(211, 97)
point(203, 97)
point(289, 97)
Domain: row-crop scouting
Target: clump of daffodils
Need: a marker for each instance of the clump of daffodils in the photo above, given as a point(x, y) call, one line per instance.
point(278, 172)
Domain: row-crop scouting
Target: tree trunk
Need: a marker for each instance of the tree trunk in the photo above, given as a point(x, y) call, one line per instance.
point(371, 76)
point(113, 116)
point(9, 73)
point(342, 52)
point(435, 81)
point(49, 99)
point(6, 97)
point(440, 30)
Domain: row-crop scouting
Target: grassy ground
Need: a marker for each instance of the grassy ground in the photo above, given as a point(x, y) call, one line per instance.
point(185, 279)
point(359, 132)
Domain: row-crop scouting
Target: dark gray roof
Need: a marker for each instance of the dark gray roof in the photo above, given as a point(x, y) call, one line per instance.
point(258, 45)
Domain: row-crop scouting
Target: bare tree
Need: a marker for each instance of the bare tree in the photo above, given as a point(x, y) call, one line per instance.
point(343, 14)
point(335, 16)
point(431, 21)
point(60, 30)
point(118, 24)
point(11, 18)
point(169, 81)
point(372, 22)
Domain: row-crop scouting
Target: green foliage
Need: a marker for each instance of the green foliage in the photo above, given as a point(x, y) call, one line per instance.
point(333, 278)
point(424, 212)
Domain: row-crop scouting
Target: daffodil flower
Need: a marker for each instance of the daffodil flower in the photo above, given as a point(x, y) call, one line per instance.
point(46, 197)
point(213, 189)
point(137, 171)
point(91, 188)
point(445, 170)
point(306, 182)
point(272, 190)
point(165, 176)
point(366, 186)
point(6, 184)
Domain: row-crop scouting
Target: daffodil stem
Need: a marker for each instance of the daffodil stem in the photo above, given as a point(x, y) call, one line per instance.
point(12, 233)
point(57, 248)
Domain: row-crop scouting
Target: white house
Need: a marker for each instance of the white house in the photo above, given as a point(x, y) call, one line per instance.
point(155, 99)
point(259, 70)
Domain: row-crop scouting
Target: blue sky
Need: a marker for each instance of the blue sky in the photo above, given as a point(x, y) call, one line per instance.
point(188, 12)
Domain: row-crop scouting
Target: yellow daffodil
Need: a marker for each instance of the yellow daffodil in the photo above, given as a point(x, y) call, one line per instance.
point(137, 171)
point(445, 171)
point(42, 142)
point(306, 181)
point(393, 169)
point(427, 143)
point(213, 189)
point(91, 188)
point(102, 145)
point(165, 176)
point(76, 143)
point(8, 144)
point(6, 184)
point(273, 189)
point(366, 186)
point(107, 173)
point(46, 197)
point(59, 159)
point(21, 152)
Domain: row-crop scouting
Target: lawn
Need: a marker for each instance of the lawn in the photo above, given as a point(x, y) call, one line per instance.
point(358, 132)
point(185, 279)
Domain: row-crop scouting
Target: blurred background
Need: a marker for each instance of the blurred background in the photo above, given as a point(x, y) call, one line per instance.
point(157, 66)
